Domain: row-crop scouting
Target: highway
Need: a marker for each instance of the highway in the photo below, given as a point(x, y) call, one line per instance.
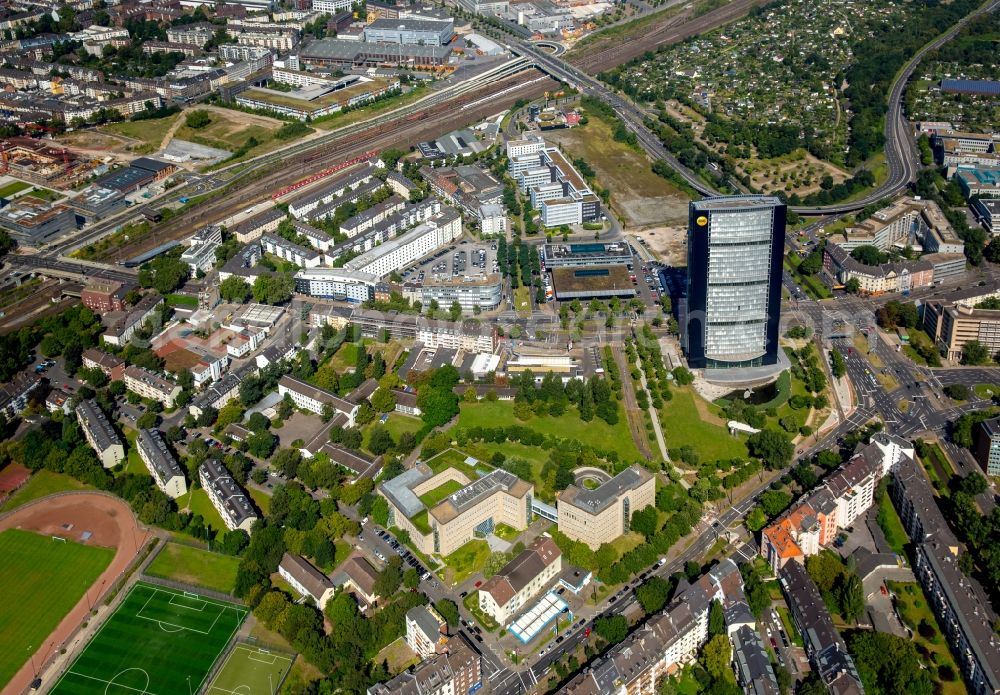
point(901, 155)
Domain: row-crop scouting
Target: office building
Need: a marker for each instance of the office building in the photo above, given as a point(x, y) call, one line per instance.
point(951, 325)
point(987, 446)
point(336, 283)
point(555, 255)
point(32, 221)
point(504, 594)
point(735, 254)
point(161, 463)
point(482, 502)
point(313, 398)
point(556, 188)
point(482, 292)
point(410, 246)
point(601, 515)
point(100, 434)
point(410, 31)
point(306, 579)
point(226, 496)
point(151, 385)
point(493, 220)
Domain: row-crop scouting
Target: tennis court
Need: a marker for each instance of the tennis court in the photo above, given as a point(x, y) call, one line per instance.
point(159, 641)
point(250, 671)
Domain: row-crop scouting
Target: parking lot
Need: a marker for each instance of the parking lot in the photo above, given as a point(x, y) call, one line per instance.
point(467, 258)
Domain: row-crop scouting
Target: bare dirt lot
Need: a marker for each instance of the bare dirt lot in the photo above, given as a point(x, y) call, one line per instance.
point(110, 522)
point(668, 241)
point(642, 197)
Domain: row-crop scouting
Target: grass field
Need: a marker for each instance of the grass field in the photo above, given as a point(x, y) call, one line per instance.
point(453, 458)
point(226, 132)
point(158, 641)
point(683, 425)
point(596, 433)
point(522, 301)
point(200, 504)
point(12, 188)
point(42, 580)
point(891, 526)
point(42, 484)
point(260, 498)
point(911, 604)
point(190, 565)
point(467, 560)
point(150, 131)
point(432, 497)
point(250, 671)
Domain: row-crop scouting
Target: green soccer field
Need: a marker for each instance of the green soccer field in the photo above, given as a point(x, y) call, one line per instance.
point(159, 641)
point(42, 579)
point(250, 671)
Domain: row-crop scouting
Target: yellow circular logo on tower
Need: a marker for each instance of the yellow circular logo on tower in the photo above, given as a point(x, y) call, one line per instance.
point(702, 221)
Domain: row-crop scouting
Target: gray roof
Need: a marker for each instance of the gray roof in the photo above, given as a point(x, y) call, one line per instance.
point(235, 504)
point(305, 388)
point(164, 464)
point(596, 501)
point(93, 419)
point(399, 490)
point(753, 667)
point(427, 623)
point(259, 220)
point(305, 252)
point(314, 581)
point(344, 50)
point(484, 487)
point(411, 24)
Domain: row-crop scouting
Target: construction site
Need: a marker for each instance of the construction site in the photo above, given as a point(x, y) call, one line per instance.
point(39, 162)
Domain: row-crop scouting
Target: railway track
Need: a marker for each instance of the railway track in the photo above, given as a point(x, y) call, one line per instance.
point(401, 132)
point(670, 30)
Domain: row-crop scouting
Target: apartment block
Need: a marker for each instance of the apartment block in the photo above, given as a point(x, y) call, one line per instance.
point(306, 579)
point(151, 385)
point(113, 367)
point(825, 648)
point(123, 325)
point(457, 670)
point(313, 398)
point(161, 463)
point(603, 514)
point(293, 253)
point(100, 434)
point(226, 496)
point(520, 580)
point(252, 228)
point(952, 325)
point(425, 631)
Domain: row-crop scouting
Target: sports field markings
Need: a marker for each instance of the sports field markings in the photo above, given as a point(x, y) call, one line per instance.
point(250, 654)
point(109, 683)
point(222, 608)
point(240, 612)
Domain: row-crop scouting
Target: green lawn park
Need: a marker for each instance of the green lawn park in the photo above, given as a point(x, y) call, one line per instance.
point(43, 578)
point(190, 565)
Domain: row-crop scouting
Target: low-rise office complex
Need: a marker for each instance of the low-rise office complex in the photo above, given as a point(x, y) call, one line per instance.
point(161, 463)
point(602, 515)
point(313, 398)
point(481, 499)
point(100, 434)
point(226, 496)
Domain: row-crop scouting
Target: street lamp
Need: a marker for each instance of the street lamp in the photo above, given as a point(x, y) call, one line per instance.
point(31, 655)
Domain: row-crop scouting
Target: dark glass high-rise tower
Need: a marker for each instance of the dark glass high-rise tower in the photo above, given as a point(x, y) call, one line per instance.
point(735, 250)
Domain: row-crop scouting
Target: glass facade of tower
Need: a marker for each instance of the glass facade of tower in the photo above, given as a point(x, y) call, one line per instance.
point(735, 248)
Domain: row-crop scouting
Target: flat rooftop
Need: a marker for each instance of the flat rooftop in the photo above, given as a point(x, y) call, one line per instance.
point(594, 280)
point(736, 202)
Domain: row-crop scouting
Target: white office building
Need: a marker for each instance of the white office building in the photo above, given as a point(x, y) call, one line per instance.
point(409, 247)
point(336, 283)
point(493, 220)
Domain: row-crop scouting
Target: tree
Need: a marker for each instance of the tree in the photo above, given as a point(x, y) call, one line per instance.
point(388, 581)
point(756, 519)
point(383, 400)
point(447, 609)
point(772, 447)
point(261, 444)
point(975, 353)
point(235, 289)
point(716, 619)
point(683, 376)
point(889, 664)
point(613, 629)
point(645, 521)
point(287, 461)
point(852, 286)
point(455, 311)
point(411, 578)
point(494, 563)
point(851, 597)
point(653, 594)
point(258, 422)
point(273, 289)
point(715, 658)
point(774, 502)
point(197, 119)
point(958, 392)
point(380, 440)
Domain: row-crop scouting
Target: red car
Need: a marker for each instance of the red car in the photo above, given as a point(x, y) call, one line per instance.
point(586, 633)
point(478, 584)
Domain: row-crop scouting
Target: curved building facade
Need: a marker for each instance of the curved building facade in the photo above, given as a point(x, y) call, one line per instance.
point(735, 250)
